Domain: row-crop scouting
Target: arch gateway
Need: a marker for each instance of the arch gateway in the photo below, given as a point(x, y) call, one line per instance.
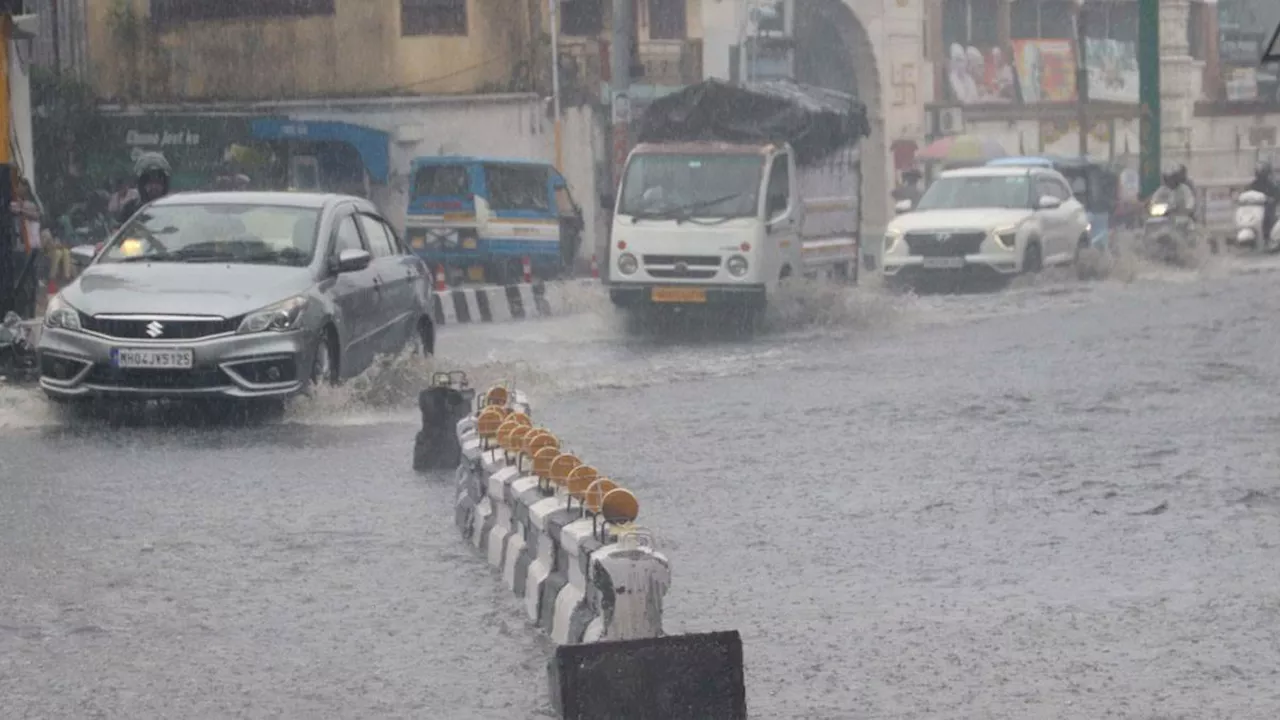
point(872, 49)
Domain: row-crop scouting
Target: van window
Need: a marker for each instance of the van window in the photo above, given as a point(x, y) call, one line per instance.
point(441, 180)
point(518, 187)
point(779, 192)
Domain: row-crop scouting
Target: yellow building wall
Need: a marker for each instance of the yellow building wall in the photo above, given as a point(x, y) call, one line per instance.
point(356, 51)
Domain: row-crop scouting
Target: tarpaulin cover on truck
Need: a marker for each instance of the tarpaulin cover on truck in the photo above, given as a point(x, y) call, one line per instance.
point(815, 121)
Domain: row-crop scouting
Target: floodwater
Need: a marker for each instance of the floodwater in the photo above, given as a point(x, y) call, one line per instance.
point(1059, 500)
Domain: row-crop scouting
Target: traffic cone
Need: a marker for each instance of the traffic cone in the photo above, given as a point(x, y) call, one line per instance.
point(595, 268)
point(527, 269)
point(441, 284)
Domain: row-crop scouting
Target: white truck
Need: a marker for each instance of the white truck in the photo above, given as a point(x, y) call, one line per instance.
point(701, 222)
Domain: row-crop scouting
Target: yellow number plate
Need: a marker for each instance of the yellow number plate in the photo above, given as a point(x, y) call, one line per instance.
point(679, 295)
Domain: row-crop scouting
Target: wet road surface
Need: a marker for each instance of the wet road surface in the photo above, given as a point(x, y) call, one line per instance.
point(1056, 501)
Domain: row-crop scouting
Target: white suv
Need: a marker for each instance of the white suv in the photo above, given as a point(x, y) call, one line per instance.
point(1005, 220)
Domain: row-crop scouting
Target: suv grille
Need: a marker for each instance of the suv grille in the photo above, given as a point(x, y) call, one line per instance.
point(137, 329)
point(957, 244)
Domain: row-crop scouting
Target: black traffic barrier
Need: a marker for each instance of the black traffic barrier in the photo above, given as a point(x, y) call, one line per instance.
point(678, 677)
point(446, 402)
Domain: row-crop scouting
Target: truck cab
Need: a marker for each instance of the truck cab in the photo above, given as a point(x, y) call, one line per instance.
point(700, 224)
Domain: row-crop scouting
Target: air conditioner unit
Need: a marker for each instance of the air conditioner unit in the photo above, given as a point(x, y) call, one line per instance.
point(948, 121)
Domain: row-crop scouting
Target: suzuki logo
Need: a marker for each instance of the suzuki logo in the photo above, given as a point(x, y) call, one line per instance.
point(155, 329)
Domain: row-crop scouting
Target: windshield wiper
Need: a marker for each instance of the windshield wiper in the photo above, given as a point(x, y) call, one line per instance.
point(683, 213)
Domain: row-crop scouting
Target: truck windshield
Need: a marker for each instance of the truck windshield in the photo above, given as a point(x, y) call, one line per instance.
point(692, 185)
point(970, 191)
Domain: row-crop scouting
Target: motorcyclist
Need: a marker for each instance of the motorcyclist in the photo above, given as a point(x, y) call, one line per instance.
point(1264, 181)
point(153, 174)
point(1176, 192)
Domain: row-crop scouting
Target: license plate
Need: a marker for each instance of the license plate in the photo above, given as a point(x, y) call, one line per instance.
point(679, 295)
point(153, 358)
point(944, 263)
point(468, 243)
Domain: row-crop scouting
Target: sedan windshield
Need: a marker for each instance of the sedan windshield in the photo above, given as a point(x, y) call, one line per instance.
point(249, 234)
point(678, 186)
point(956, 193)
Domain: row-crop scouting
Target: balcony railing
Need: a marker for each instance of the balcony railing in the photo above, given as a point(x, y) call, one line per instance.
point(666, 62)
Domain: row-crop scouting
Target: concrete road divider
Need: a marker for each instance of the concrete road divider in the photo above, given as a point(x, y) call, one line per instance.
point(563, 535)
point(490, 303)
point(565, 539)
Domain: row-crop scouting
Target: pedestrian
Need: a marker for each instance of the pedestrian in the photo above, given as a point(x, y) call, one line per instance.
point(27, 258)
point(909, 188)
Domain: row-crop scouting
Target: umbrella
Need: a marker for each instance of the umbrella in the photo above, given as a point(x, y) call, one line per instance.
point(962, 149)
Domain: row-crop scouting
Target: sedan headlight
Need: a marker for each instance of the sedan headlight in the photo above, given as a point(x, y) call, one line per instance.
point(61, 315)
point(1007, 237)
point(891, 239)
point(627, 264)
point(737, 266)
point(281, 317)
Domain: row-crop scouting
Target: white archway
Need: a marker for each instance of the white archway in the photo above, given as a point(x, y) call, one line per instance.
point(833, 50)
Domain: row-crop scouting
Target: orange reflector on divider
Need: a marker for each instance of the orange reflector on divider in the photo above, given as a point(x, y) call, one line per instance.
point(504, 432)
point(488, 422)
point(515, 438)
point(593, 497)
point(561, 467)
point(542, 458)
point(497, 395)
point(620, 506)
point(675, 677)
point(521, 418)
point(580, 478)
point(539, 439)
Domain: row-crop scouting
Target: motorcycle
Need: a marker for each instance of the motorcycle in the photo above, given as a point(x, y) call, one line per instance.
point(1251, 210)
point(1168, 234)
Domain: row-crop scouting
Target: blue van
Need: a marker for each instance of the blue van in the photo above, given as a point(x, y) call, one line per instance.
point(482, 217)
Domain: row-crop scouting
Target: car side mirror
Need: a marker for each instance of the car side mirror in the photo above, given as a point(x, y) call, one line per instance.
point(82, 255)
point(903, 206)
point(1048, 202)
point(351, 260)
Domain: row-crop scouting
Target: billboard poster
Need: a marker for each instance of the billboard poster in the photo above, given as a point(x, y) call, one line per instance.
point(1113, 70)
point(980, 76)
point(1045, 70)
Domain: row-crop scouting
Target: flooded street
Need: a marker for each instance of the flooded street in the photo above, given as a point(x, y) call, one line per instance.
point(1059, 500)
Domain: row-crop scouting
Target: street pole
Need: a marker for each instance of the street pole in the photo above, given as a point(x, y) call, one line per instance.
point(8, 238)
point(1149, 94)
point(620, 83)
point(1082, 83)
point(555, 81)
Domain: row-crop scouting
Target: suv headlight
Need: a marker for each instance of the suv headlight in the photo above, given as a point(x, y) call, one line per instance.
point(281, 317)
point(1007, 237)
point(627, 264)
point(61, 315)
point(737, 266)
point(891, 239)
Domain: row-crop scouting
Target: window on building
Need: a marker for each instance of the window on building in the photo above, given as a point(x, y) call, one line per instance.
point(1048, 19)
point(178, 12)
point(970, 23)
point(583, 18)
point(1195, 30)
point(1112, 21)
point(433, 17)
point(667, 20)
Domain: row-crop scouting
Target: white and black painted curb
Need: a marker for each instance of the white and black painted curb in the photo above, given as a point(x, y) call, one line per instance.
point(490, 303)
point(580, 581)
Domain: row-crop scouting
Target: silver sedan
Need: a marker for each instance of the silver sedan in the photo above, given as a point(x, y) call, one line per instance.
point(235, 295)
